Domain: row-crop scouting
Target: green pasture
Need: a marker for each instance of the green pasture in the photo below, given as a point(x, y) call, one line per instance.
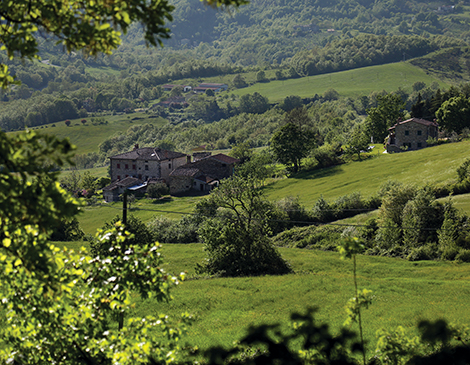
point(404, 293)
point(96, 171)
point(351, 83)
point(93, 217)
point(433, 165)
point(102, 71)
point(88, 137)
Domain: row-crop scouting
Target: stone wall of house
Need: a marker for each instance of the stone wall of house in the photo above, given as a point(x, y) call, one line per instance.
point(413, 135)
point(144, 169)
point(180, 184)
point(168, 166)
point(110, 195)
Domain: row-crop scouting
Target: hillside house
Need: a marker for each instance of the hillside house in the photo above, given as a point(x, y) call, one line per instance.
point(146, 163)
point(203, 174)
point(411, 133)
point(169, 87)
point(210, 86)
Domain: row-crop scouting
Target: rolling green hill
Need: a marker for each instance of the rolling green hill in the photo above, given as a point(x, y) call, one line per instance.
point(352, 83)
point(87, 137)
point(433, 165)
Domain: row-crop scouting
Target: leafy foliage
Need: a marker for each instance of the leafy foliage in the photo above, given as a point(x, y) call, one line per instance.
point(59, 306)
point(388, 112)
point(141, 235)
point(236, 239)
point(290, 144)
point(157, 190)
point(454, 114)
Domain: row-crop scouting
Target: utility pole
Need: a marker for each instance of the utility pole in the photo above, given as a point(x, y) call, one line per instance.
point(124, 208)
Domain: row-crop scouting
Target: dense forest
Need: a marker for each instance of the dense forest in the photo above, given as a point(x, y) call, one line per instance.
point(290, 39)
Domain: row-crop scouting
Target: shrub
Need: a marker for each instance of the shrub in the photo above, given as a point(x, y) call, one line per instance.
point(157, 190)
point(463, 255)
point(322, 237)
point(67, 122)
point(236, 239)
point(167, 230)
point(424, 252)
point(327, 155)
point(68, 230)
point(449, 252)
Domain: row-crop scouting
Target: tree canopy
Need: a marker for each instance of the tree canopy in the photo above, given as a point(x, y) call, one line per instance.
point(290, 144)
point(454, 114)
point(59, 306)
point(379, 119)
point(91, 26)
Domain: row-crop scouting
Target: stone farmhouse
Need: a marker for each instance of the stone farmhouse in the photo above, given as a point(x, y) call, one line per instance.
point(146, 163)
point(203, 174)
point(411, 133)
point(136, 169)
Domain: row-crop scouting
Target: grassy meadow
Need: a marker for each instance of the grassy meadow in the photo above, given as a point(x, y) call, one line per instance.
point(87, 137)
point(434, 165)
point(404, 293)
point(351, 83)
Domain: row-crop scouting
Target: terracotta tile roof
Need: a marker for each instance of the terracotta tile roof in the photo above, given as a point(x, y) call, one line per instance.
point(211, 84)
point(124, 183)
point(224, 158)
point(211, 167)
point(186, 170)
point(149, 153)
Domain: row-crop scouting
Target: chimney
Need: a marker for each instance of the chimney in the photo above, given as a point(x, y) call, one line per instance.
point(136, 146)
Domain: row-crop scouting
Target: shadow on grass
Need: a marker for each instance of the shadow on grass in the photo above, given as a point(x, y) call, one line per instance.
point(318, 173)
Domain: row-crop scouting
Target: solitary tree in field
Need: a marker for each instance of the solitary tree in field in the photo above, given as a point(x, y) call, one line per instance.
point(236, 240)
point(290, 144)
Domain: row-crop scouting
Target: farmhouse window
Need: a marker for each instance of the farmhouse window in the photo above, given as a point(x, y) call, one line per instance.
point(133, 167)
point(419, 133)
point(146, 167)
point(118, 166)
point(407, 133)
point(119, 177)
point(420, 145)
point(127, 166)
point(169, 165)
